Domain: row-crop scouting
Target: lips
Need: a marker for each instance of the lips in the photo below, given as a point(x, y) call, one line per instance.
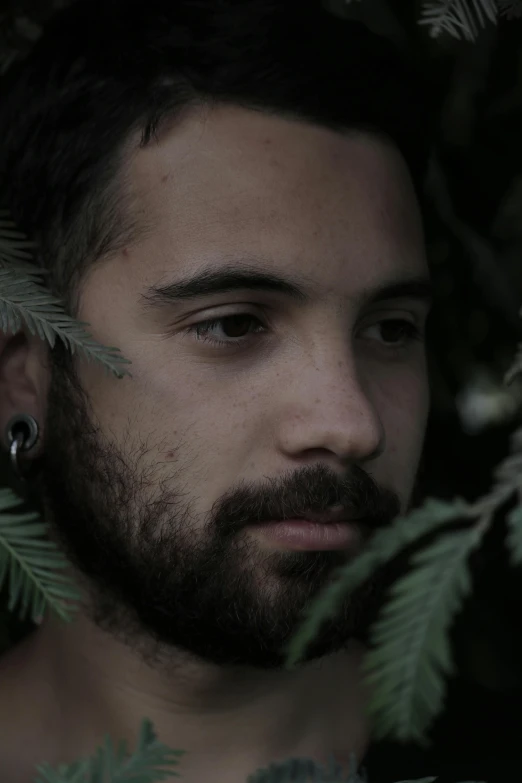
point(318, 532)
point(323, 518)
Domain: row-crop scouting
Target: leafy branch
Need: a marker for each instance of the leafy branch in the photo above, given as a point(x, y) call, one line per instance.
point(32, 563)
point(24, 300)
point(405, 670)
point(458, 17)
point(410, 644)
point(463, 19)
point(385, 545)
point(116, 766)
point(295, 770)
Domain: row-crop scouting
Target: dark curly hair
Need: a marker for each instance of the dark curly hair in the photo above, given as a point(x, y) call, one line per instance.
point(108, 75)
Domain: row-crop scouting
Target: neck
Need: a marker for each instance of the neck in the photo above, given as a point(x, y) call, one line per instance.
point(96, 685)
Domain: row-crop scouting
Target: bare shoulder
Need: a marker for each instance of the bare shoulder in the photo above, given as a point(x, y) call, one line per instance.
point(24, 736)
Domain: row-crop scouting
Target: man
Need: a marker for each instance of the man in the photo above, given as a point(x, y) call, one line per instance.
point(227, 193)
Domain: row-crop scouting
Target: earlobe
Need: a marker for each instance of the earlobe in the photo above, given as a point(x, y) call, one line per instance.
point(22, 432)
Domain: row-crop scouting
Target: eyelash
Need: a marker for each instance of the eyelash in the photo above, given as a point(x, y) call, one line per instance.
point(411, 330)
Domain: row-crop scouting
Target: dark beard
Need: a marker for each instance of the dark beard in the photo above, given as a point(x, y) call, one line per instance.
point(165, 586)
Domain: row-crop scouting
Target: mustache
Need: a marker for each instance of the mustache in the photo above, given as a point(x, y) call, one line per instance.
point(310, 490)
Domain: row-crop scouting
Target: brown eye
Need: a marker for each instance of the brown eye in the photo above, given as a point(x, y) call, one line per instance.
point(394, 332)
point(232, 330)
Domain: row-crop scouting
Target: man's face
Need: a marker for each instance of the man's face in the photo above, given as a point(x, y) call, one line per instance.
point(153, 484)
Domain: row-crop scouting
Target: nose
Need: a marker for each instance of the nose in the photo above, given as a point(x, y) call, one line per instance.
point(326, 409)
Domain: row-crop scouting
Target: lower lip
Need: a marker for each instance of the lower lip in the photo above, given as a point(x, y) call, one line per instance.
point(304, 535)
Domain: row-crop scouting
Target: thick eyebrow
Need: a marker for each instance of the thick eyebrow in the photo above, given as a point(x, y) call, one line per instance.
point(213, 280)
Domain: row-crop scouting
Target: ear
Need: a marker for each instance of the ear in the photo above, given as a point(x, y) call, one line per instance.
point(25, 377)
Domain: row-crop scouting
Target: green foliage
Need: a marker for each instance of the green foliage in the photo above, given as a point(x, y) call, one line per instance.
point(462, 19)
point(405, 670)
point(511, 9)
point(15, 248)
point(516, 367)
point(116, 765)
point(308, 771)
point(32, 563)
point(385, 545)
point(514, 538)
point(23, 300)
point(411, 650)
point(458, 17)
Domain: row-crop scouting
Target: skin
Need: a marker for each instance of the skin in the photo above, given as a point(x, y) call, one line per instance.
point(150, 483)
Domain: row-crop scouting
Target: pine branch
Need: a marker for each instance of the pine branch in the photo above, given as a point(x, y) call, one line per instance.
point(516, 367)
point(22, 299)
point(15, 248)
point(386, 544)
point(114, 766)
point(458, 17)
point(32, 563)
point(514, 537)
point(299, 770)
point(510, 9)
point(382, 547)
point(412, 655)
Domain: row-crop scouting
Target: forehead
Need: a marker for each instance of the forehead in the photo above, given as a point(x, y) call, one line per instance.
point(247, 156)
point(229, 182)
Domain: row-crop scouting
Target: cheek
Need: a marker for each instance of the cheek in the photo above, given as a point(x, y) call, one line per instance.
point(404, 412)
point(181, 413)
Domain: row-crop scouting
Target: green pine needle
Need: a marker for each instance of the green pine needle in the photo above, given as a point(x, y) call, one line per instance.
point(510, 9)
point(411, 654)
point(458, 18)
point(516, 367)
point(31, 563)
point(300, 770)
point(15, 247)
point(22, 299)
point(109, 765)
point(514, 537)
point(384, 545)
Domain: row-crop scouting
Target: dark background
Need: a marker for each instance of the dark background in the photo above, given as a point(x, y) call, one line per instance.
point(474, 233)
